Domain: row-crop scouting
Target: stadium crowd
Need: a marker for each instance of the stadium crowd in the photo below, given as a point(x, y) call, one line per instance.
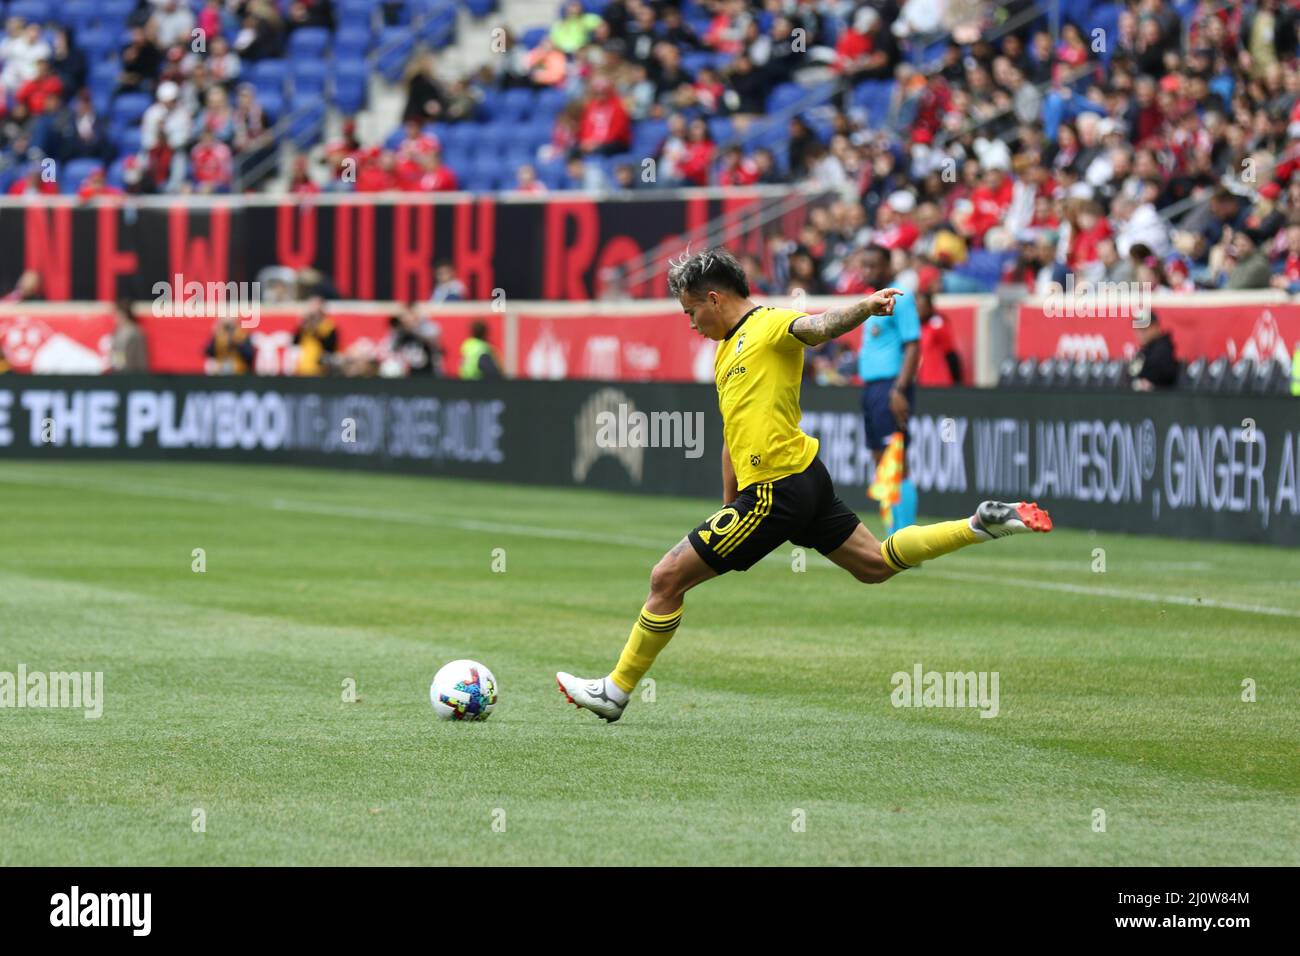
point(957, 134)
point(996, 154)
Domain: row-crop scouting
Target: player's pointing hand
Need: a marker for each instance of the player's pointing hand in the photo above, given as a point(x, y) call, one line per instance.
point(881, 302)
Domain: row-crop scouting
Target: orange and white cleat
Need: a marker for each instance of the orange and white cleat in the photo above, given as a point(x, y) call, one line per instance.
point(997, 519)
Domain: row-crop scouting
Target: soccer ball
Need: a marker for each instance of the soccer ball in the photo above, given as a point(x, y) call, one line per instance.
point(463, 690)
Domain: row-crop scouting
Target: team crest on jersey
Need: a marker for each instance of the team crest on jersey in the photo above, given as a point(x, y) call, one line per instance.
point(740, 342)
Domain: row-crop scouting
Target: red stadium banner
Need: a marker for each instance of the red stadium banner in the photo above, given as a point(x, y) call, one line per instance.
point(1206, 329)
point(658, 347)
point(386, 248)
point(45, 341)
point(639, 348)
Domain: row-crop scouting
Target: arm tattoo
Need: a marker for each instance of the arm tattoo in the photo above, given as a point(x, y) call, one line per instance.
point(816, 329)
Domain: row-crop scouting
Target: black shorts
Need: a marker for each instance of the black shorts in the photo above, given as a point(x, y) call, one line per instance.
point(802, 509)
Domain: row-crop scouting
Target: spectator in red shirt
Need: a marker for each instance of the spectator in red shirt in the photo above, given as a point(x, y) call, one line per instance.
point(35, 183)
point(211, 164)
point(708, 90)
point(94, 185)
point(896, 226)
point(867, 50)
point(415, 140)
point(737, 169)
point(853, 278)
point(437, 178)
point(940, 361)
point(300, 181)
point(854, 44)
point(1289, 276)
point(726, 32)
point(698, 154)
point(989, 200)
point(376, 172)
point(41, 92)
point(210, 19)
point(605, 127)
point(1088, 227)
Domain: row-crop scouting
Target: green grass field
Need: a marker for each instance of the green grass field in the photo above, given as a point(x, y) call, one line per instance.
point(223, 690)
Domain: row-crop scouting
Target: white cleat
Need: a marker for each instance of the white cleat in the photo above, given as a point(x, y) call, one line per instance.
point(592, 694)
point(998, 519)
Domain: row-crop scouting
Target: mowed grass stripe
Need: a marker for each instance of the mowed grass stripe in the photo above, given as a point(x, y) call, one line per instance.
point(233, 681)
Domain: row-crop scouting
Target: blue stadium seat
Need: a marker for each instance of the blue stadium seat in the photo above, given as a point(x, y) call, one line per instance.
point(433, 21)
point(490, 106)
point(272, 104)
point(550, 102)
point(480, 8)
point(127, 140)
point(40, 11)
point(350, 85)
point(649, 136)
point(518, 104)
point(104, 74)
point(540, 132)
point(116, 11)
point(490, 140)
point(307, 125)
point(97, 43)
point(75, 171)
point(308, 43)
point(516, 156)
point(534, 36)
point(458, 136)
point(784, 96)
point(695, 60)
point(78, 14)
point(269, 76)
point(551, 174)
point(128, 108)
point(355, 19)
point(477, 180)
point(350, 42)
point(395, 46)
point(115, 171)
point(522, 137)
point(457, 158)
point(101, 100)
point(874, 96)
point(309, 78)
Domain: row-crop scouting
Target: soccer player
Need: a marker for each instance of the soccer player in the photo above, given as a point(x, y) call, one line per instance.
point(774, 487)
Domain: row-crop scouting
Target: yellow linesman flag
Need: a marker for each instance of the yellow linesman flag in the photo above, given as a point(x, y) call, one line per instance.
point(887, 485)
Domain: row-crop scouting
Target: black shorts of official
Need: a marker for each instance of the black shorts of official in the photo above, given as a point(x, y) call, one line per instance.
point(877, 415)
point(802, 509)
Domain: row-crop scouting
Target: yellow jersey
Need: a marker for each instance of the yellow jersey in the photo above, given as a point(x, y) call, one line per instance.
point(758, 369)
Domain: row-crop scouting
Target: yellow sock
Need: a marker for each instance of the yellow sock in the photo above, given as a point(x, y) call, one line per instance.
point(908, 547)
point(650, 635)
